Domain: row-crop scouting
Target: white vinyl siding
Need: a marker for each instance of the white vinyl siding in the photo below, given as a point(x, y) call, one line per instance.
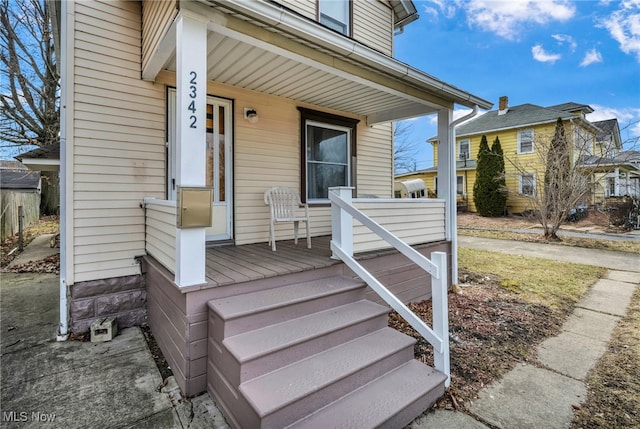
point(422, 221)
point(268, 154)
point(118, 142)
point(157, 17)
point(306, 8)
point(373, 25)
point(160, 234)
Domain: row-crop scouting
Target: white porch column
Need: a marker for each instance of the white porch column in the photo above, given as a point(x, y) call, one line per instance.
point(447, 184)
point(616, 181)
point(191, 100)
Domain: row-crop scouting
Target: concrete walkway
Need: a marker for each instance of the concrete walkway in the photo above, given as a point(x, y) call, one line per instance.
point(116, 384)
point(543, 395)
point(76, 384)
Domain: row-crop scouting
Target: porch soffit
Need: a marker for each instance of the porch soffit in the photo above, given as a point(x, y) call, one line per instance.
point(247, 53)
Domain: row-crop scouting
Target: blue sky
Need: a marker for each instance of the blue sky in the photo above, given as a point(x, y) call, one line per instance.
point(542, 52)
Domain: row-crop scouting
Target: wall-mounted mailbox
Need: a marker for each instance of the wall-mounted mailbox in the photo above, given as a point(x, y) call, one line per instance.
point(194, 207)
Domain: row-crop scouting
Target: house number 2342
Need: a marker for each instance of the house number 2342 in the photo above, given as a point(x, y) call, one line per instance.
point(192, 92)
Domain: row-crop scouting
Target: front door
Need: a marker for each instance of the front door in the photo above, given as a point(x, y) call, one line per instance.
point(219, 158)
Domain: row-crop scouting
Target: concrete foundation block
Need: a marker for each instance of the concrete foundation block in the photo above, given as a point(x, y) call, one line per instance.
point(104, 330)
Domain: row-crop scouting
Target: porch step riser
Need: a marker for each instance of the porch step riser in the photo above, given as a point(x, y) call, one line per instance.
point(239, 364)
point(391, 401)
point(290, 356)
point(258, 317)
point(287, 395)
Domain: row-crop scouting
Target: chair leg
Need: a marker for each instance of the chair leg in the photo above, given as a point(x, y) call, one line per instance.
point(272, 236)
point(308, 236)
point(295, 231)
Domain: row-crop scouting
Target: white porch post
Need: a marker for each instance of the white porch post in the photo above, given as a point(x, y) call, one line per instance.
point(342, 222)
point(616, 181)
point(191, 99)
point(447, 184)
point(440, 312)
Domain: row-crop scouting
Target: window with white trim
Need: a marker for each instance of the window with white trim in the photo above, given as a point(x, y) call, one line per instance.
point(525, 141)
point(460, 185)
point(464, 150)
point(328, 148)
point(527, 184)
point(335, 14)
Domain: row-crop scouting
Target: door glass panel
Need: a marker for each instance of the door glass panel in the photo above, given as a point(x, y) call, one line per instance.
point(210, 145)
point(221, 158)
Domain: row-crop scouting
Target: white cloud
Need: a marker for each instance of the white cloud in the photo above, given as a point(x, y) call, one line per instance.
point(624, 26)
point(592, 56)
point(539, 54)
point(565, 38)
point(506, 18)
point(437, 7)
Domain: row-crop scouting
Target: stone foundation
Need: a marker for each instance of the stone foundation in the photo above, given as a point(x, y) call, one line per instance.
point(124, 298)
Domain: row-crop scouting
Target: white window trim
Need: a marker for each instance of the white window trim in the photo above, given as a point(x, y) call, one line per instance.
point(519, 147)
point(345, 4)
point(460, 191)
point(533, 184)
point(468, 142)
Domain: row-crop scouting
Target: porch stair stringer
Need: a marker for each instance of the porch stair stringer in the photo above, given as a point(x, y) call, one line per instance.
point(314, 354)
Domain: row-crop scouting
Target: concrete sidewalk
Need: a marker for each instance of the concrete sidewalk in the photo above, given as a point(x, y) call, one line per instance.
point(117, 385)
point(76, 384)
point(543, 394)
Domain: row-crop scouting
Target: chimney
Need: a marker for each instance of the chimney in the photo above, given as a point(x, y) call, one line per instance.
point(503, 104)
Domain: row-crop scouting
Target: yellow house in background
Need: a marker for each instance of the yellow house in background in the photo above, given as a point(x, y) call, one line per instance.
point(518, 128)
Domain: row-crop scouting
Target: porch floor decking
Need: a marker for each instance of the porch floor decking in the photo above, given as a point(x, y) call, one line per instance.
point(235, 264)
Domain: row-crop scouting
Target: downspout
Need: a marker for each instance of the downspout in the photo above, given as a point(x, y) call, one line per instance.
point(63, 328)
point(453, 194)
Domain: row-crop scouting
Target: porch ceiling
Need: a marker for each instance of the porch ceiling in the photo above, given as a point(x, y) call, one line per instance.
point(247, 51)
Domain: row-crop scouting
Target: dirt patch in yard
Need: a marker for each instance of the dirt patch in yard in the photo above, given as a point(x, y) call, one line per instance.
point(594, 221)
point(491, 331)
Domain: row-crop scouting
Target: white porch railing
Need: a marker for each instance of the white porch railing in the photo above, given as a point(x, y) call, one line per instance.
point(160, 231)
point(343, 214)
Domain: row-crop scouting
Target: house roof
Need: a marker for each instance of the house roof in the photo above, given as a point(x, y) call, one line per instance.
point(520, 116)
point(45, 158)
point(460, 166)
point(627, 160)
point(295, 57)
point(405, 12)
point(19, 179)
point(572, 107)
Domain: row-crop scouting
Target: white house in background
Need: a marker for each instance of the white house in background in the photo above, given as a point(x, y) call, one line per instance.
point(165, 103)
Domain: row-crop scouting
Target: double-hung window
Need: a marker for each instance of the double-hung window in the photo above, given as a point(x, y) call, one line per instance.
point(335, 14)
point(527, 184)
point(328, 145)
point(525, 141)
point(464, 150)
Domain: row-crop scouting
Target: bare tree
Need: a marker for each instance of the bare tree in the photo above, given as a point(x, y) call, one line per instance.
point(554, 183)
point(29, 83)
point(405, 149)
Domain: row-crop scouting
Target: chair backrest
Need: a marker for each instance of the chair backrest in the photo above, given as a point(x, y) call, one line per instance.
point(283, 202)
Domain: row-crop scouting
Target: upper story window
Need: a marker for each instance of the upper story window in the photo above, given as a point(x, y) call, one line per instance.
point(335, 14)
point(464, 150)
point(525, 141)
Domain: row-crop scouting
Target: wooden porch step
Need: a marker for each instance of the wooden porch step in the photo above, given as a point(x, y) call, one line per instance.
point(287, 395)
point(390, 401)
point(257, 352)
point(241, 313)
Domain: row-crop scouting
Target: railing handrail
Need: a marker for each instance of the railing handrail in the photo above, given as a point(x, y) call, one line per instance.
point(438, 337)
point(408, 251)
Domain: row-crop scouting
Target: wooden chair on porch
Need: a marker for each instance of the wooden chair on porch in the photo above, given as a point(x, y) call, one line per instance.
point(285, 206)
